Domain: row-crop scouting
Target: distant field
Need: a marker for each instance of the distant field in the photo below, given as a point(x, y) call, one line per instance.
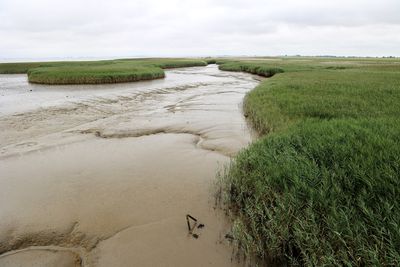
point(95, 72)
point(321, 186)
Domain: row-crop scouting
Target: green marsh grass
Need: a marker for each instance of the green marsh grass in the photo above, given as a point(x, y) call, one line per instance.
point(96, 72)
point(321, 187)
point(252, 68)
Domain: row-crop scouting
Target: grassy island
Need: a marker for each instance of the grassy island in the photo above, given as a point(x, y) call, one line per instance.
point(96, 72)
point(321, 186)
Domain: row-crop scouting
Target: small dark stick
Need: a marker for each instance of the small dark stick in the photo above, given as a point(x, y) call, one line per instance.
point(194, 219)
point(190, 228)
point(188, 224)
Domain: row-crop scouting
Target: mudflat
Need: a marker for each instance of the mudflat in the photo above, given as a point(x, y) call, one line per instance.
point(103, 175)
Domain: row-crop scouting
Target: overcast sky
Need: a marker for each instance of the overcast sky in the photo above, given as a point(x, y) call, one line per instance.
point(115, 28)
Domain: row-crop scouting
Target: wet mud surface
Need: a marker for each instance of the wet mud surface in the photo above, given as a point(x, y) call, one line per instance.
point(105, 175)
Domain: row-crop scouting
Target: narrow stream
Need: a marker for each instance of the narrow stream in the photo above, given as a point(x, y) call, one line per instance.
point(104, 175)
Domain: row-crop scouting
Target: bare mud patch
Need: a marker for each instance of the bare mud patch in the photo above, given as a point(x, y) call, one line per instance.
point(106, 176)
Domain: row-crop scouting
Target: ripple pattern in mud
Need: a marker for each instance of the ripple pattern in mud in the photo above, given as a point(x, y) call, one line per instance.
point(93, 172)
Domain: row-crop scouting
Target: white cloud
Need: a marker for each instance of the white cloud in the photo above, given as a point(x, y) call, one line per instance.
point(100, 28)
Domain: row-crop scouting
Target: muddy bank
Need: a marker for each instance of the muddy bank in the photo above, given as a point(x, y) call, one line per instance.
point(104, 175)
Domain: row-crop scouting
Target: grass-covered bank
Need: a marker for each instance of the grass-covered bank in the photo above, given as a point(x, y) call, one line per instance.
point(95, 72)
point(252, 68)
point(322, 184)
